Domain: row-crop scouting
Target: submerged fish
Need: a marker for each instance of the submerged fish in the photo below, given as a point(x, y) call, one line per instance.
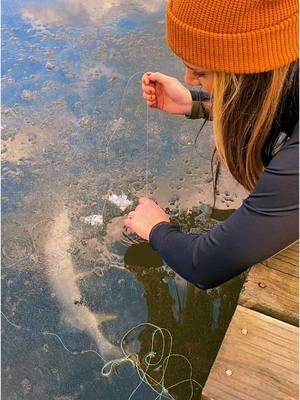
point(63, 282)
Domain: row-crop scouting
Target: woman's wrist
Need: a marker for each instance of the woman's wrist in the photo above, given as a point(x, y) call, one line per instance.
point(187, 108)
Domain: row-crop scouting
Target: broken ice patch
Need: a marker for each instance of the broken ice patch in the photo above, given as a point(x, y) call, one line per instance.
point(121, 201)
point(94, 220)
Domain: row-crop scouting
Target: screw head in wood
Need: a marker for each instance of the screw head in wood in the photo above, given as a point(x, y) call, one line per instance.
point(244, 331)
point(228, 372)
point(262, 285)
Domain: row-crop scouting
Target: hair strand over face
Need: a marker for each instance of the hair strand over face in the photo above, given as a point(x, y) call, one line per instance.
point(245, 107)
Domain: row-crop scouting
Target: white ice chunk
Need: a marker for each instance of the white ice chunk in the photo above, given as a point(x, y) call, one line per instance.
point(121, 201)
point(93, 220)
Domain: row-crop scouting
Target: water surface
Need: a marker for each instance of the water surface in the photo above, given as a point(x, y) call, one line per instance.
point(66, 66)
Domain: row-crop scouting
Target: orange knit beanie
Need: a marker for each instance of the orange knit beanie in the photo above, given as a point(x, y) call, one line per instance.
point(241, 36)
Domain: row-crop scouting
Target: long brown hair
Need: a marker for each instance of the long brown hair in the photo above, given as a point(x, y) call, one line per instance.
point(246, 111)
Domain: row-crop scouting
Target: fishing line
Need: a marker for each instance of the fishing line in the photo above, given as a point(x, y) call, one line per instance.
point(128, 357)
point(115, 130)
point(147, 148)
point(160, 389)
point(158, 386)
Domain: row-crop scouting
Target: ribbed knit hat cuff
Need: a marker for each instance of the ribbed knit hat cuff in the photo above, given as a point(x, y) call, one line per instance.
point(248, 52)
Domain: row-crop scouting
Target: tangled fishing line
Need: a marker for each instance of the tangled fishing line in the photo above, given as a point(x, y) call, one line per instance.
point(152, 360)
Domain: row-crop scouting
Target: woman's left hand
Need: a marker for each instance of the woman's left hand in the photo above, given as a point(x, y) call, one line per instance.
point(146, 215)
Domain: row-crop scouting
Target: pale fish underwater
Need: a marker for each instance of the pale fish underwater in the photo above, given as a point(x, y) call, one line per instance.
point(62, 280)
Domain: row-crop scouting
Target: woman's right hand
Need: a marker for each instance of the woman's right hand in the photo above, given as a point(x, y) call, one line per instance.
point(166, 93)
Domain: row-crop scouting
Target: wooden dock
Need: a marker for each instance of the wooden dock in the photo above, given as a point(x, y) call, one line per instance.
point(259, 356)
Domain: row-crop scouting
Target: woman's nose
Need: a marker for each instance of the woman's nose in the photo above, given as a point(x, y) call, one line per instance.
point(189, 78)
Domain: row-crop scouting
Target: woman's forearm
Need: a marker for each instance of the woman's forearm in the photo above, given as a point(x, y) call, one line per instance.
point(266, 223)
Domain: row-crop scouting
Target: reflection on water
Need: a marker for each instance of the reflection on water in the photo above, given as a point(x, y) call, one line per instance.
point(76, 12)
point(66, 67)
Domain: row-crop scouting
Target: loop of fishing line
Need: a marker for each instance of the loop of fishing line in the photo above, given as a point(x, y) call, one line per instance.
point(157, 386)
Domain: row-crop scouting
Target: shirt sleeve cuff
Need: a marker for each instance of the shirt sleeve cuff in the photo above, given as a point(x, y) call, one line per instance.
point(159, 231)
point(199, 95)
point(198, 111)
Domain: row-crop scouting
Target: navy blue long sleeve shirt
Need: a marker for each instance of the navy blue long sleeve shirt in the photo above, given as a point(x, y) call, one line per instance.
point(266, 223)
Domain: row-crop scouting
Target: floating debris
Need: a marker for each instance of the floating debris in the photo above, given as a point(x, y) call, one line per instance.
point(50, 65)
point(45, 348)
point(29, 95)
point(93, 220)
point(87, 122)
point(27, 386)
point(32, 59)
point(121, 201)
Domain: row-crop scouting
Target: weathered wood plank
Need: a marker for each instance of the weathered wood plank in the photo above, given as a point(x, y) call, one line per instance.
point(271, 292)
point(257, 360)
point(287, 261)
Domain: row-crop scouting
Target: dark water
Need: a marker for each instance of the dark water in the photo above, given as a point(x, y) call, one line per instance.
point(65, 65)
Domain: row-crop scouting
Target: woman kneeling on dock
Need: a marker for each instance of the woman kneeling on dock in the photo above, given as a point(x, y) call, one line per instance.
point(243, 55)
